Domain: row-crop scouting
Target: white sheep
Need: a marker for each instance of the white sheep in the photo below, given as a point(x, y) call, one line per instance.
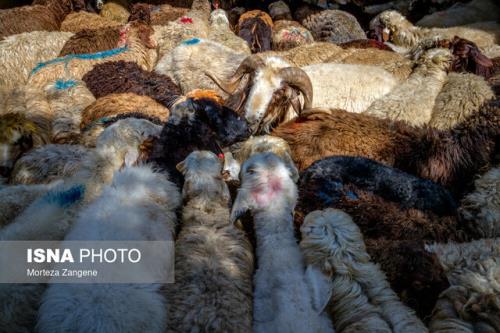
point(48, 163)
point(211, 252)
point(392, 27)
point(413, 100)
point(287, 298)
point(139, 204)
point(333, 242)
point(220, 32)
point(21, 53)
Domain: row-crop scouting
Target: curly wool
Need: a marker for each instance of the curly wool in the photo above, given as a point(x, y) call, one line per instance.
point(67, 100)
point(115, 11)
point(91, 40)
point(334, 26)
point(221, 32)
point(290, 34)
point(35, 47)
point(76, 22)
point(116, 104)
point(462, 95)
point(128, 77)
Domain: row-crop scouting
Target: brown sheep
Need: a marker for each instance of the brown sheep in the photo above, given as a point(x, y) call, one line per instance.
point(450, 158)
point(115, 104)
point(46, 17)
point(91, 41)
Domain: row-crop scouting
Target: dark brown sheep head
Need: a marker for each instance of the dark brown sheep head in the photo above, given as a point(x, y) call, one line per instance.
point(272, 93)
point(256, 28)
point(141, 12)
point(469, 58)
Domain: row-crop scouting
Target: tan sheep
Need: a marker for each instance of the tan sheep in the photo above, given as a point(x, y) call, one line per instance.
point(333, 243)
point(116, 11)
point(413, 100)
point(21, 53)
point(122, 103)
point(461, 95)
point(67, 100)
point(221, 32)
point(75, 22)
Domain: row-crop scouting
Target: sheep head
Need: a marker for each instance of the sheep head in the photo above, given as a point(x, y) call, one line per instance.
point(272, 93)
point(207, 106)
point(330, 239)
point(435, 60)
point(218, 18)
point(17, 135)
point(137, 30)
point(202, 171)
point(385, 25)
point(267, 143)
point(266, 186)
point(468, 57)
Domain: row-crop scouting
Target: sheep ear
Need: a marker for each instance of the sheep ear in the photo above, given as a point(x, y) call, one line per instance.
point(131, 157)
point(181, 166)
point(320, 286)
point(240, 207)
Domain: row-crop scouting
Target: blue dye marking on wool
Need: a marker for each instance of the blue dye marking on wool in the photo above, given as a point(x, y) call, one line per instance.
point(85, 56)
point(352, 195)
point(62, 85)
point(191, 41)
point(65, 198)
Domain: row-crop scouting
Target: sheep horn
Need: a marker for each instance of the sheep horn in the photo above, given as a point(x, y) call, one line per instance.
point(248, 65)
point(299, 79)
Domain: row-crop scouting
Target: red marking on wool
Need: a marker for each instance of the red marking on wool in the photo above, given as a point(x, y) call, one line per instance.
point(186, 20)
point(265, 194)
point(221, 156)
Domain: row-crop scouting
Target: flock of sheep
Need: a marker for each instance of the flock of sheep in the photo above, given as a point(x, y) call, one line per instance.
point(314, 180)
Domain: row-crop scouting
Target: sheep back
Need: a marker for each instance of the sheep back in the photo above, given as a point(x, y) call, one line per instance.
point(334, 26)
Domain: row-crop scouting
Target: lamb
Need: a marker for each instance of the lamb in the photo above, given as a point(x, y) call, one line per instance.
point(48, 163)
point(35, 47)
point(199, 122)
point(413, 100)
point(210, 251)
point(127, 77)
point(76, 22)
point(462, 95)
point(273, 92)
point(67, 100)
point(473, 304)
point(333, 243)
point(116, 104)
point(334, 26)
point(46, 17)
point(462, 13)
point(256, 28)
point(139, 204)
point(391, 26)
point(75, 66)
point(25, 122)
point(221, 32)
point(449, 158)
point(298, 295)
point(480, 210)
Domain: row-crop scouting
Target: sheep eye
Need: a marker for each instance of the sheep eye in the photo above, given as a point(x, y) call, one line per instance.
point(250, 171)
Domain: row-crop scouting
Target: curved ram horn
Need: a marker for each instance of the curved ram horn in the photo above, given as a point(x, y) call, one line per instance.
point(248, 65)
point(299, 79)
